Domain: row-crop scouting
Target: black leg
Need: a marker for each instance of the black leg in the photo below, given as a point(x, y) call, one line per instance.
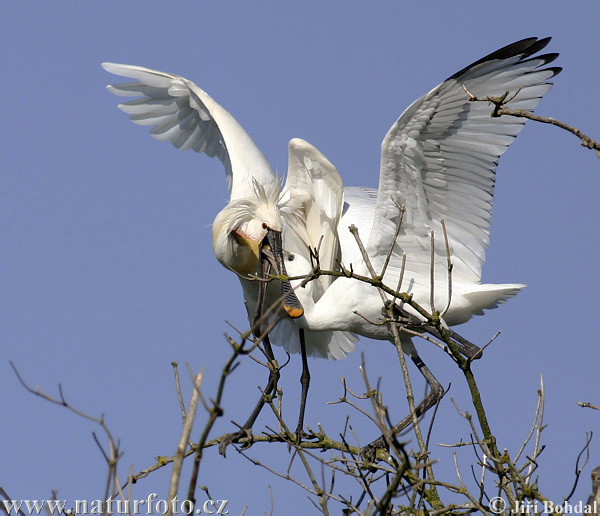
point(259, 325)
point(260, 330)
point(305, 382)
point(436, 392)
point(269, 389)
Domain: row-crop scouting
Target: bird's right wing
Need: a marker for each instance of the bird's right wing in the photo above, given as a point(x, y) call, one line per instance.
point(439, 159)
point(182, 113)
point(311, 204)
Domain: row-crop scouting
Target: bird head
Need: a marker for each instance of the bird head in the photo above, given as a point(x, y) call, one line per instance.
point(241, 232)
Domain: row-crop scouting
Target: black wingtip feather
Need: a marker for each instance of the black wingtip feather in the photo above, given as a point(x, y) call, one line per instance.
point(537, 46)
point(523, 48)
point(555, 70)
point(545, 58)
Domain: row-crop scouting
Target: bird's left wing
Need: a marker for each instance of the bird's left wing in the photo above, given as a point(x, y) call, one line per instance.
point(182, 113)
point(439, 159)
point(311, 205)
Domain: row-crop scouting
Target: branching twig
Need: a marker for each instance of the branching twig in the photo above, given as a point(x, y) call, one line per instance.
point(396, 335)
point(111, 458)
point(500, 108)
point(579, 468)
point(215, 412)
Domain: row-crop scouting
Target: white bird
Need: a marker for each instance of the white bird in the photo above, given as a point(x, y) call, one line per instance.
point(439, 161)
point(185, 115)
point(259, 210)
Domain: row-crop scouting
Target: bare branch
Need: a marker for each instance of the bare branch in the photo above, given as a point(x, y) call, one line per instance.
point(450, 267)
point(432, 274)
point(579, 468)
point(111, 458)
point(8, 499)
point(178, 387)
point(587, 405)
point(538, 425)
point(394, 238)
point(500, 109)
point(183, 441)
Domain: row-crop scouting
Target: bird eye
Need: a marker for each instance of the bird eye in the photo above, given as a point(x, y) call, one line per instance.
point(265, 225)
point(291, 258)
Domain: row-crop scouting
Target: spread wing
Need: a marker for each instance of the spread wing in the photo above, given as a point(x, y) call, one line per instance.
point(439, 159)
point(180, 112)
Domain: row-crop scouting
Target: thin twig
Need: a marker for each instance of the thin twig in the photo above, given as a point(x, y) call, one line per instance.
point(398, 343)
point(538, 424)
point(450, 267)
point(587, 405)
point(431, 274)
point(178, 387)
point(500, 109)
point(402, 209)
point(8, 499)
point(215, 412)
point(111, 458)
point(578, 468)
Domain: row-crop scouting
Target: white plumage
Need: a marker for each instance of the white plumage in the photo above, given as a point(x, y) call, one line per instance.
point(306, 208)
point(438, 160)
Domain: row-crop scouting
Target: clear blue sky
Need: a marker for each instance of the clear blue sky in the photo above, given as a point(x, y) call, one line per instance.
point(108, 273)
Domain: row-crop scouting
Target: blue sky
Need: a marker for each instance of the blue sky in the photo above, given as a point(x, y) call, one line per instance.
point(108, 273)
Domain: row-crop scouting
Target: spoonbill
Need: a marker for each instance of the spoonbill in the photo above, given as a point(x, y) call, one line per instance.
point(305, 210)
point(259, 208)
point(438, 164)
point(438, 160)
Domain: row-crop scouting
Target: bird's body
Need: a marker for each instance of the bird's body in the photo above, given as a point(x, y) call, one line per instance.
point(350, 304)
point(438, 161)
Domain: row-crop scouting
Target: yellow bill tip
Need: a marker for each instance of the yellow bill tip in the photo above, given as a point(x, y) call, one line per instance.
point(293, 312)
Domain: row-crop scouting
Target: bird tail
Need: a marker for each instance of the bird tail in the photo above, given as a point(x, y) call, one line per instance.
point(488, 296)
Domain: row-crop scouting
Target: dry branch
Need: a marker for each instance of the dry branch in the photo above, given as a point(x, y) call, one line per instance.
point(501, 108)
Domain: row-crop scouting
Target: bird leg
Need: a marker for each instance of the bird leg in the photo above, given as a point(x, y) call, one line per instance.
point(246, 429)
point(259, 330)
point(260, 324)
point(305, 382)
point(294, 309)
point(436, 392)
point(269, 389)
